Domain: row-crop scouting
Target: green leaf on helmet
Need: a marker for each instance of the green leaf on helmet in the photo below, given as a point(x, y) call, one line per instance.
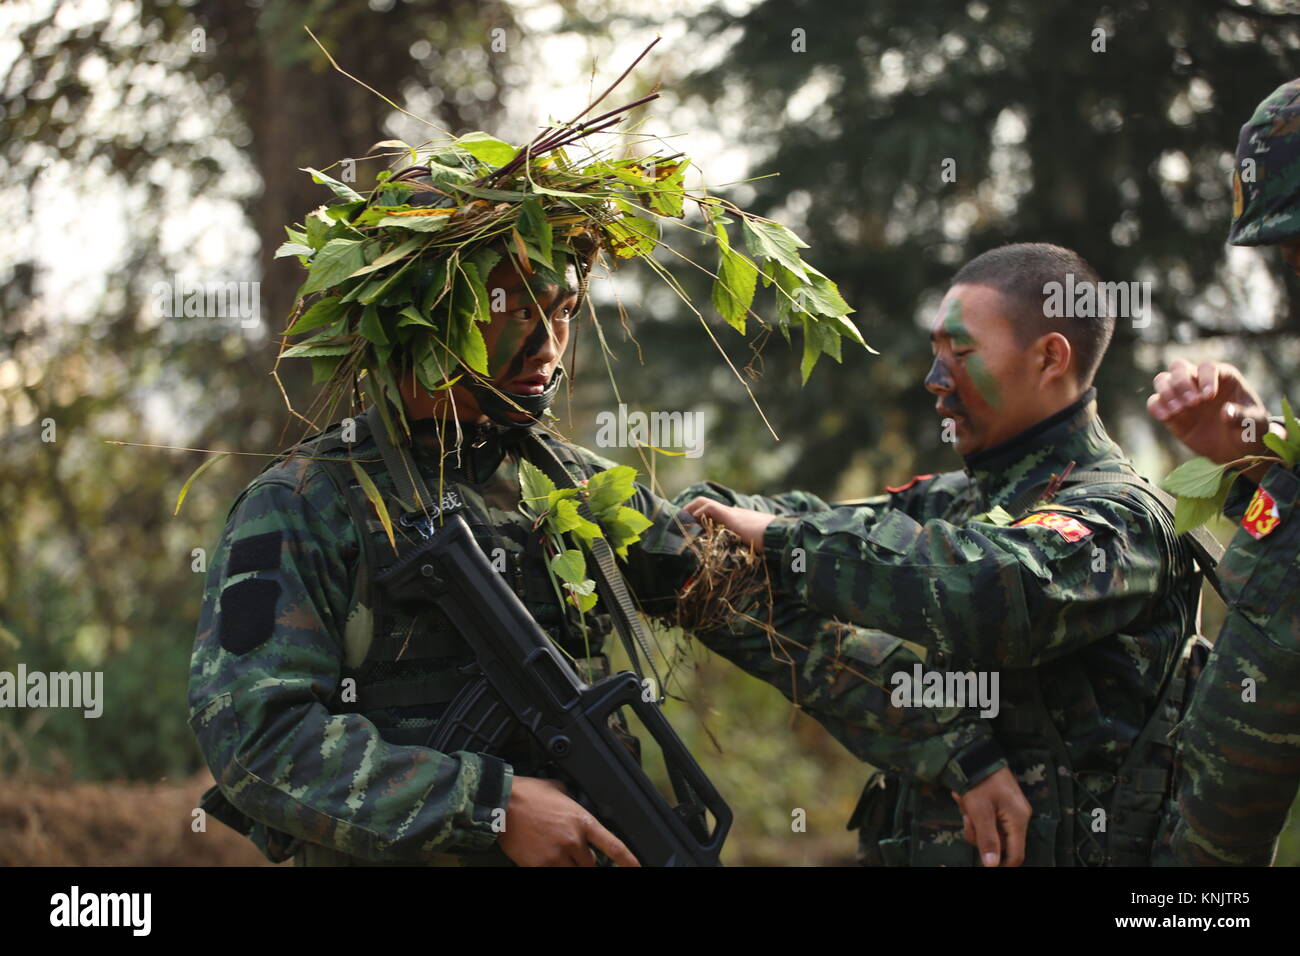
point(341, 190)
point(371, 328)
point(291, 248)
point(734, 288)
point(324, 367)
point(774, 241)
point(398, 252)
point(632, 236)
point(322, 312)
point(333, 263)
point(534, 227)
point(487, 148)
point(413, 316)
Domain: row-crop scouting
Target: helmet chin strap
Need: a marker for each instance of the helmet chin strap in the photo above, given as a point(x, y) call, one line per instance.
point(499, 409)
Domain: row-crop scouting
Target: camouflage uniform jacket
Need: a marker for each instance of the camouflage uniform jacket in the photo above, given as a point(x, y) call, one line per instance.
point(1082, 606)
point(1239, 746)
point(286, 620)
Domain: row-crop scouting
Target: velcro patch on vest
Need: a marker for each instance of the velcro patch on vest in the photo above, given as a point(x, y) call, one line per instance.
point(1071, 529)
point(426, 524)
point(1261, 515)
point(261, 552)
point(248, 614)
point(910, 484)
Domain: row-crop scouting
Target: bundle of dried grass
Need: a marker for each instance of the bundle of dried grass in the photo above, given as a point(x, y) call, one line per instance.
point(730, 580)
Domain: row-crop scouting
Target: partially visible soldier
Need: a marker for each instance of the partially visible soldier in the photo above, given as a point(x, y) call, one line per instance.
point(1079, 595)
point(1239, 746)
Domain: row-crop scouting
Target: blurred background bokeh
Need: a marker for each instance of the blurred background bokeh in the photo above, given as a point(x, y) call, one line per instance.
point(143, 141)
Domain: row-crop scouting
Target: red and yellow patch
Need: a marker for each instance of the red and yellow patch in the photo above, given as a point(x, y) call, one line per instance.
point(1261, 515)
point(896, 490)
point(1071, 529)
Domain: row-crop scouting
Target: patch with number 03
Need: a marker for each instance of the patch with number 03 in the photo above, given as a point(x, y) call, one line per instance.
point(1261, 515)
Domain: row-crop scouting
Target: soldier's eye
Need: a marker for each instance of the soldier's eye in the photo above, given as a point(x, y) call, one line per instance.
point(522, 314)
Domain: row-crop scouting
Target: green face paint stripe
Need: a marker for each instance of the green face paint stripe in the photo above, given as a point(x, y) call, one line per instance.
point(507, 346)
point(953, 327)
point(984, 381)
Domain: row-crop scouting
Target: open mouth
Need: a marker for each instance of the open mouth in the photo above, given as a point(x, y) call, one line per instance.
point(528, 385)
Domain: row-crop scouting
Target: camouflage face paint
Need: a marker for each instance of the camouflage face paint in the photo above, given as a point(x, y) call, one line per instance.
point(940, 376)
point(954, 328)
point(979, 373)
point(517, 342)
point(983, 381)
point(506, 348)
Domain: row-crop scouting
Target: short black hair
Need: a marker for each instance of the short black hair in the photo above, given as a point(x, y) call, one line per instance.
point(1021, 273)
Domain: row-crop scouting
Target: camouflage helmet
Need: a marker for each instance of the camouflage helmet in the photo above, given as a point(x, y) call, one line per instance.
point(1266, 175)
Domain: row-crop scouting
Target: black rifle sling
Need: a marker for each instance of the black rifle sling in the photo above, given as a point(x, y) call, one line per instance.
point(609, 580)
point(412, 494)
point(1207, 551)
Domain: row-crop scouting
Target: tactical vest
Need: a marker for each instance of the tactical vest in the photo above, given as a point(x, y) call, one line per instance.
point(401, 670)
point(1081, 816)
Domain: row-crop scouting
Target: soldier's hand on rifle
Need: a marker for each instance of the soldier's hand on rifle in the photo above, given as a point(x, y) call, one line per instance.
point(544, 827)
point(996, 815)
point(748, 525)
point(1211, 409)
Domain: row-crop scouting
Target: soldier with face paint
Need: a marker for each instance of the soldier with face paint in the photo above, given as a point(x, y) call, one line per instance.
point(317, 697)
point(1077, 595)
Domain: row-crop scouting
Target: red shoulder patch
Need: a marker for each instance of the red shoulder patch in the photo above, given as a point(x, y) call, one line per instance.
point(894, 491)
point(1071, 529)
point(1261, 515)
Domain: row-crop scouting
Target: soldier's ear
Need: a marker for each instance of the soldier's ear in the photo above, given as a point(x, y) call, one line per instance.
point(1054, 356)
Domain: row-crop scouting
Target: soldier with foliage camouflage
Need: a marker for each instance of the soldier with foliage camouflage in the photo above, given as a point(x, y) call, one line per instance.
point(1078, 596)
point(449, 294)
point(1239, 747)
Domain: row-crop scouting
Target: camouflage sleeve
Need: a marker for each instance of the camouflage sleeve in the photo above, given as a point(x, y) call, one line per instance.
point(1240, 742)
point(267, 659)
point(786, 503)
point(842, 676)
point(985, 595)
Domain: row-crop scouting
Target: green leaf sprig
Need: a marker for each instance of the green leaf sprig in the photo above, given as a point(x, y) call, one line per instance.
point(554, 511)
point(1202, 486)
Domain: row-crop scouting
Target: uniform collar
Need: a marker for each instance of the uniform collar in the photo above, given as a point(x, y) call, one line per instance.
point(482, 445)
point(1074, 434)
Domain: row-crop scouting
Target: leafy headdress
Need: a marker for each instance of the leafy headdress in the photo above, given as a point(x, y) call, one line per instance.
point(396, 279)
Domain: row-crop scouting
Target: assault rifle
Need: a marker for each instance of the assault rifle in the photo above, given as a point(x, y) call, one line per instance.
point(526, 682)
